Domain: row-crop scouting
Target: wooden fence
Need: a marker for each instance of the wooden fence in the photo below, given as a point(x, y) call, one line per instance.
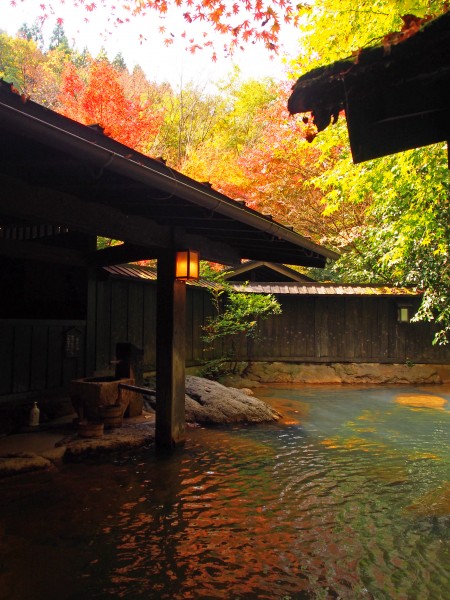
point(344, 329)
point(38, 355)
point(329, 328)
point(126, 312)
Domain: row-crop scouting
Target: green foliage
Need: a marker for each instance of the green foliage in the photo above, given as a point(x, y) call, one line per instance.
point(190, 116)
point(82, 59)
point(236, 315)
point(32, 33)
point(332, 30)
point(243, 101)
point(403, 233)
point(238, 312)
point(24, 65)
point(119, 62)
point(404, 236)
point(59, 40)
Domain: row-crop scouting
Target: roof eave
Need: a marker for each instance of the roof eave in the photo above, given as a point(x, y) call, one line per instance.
point(121, 159)
point(395, 97)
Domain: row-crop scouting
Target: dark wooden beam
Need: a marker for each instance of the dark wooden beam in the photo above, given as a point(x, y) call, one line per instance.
point(170, 356)
point(31, 203)
point(118, 255)
point(209, 249)
point(19, 199)
point(41, 252)
point(379, 124)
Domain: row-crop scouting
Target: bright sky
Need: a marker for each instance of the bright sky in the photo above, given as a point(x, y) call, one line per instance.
point(174, 63)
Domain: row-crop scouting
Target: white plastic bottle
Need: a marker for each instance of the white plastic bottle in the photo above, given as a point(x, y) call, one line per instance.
point(34, 416)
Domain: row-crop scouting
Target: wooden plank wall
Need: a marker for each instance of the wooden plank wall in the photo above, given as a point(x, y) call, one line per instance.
point(33, 357)
point(126, 312)
point(310, 328)
point(344, 329)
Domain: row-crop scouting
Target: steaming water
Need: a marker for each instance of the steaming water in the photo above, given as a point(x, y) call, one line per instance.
point(348, 497)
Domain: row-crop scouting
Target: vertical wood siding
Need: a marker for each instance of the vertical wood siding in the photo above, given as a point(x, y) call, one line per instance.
point(33, 358)
point(310, 328)
point(344, 329)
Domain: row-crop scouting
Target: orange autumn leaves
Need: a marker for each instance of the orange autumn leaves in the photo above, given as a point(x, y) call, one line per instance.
point(100, 99)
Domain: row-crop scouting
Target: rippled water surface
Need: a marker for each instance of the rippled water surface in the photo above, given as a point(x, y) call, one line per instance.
point(348, 497)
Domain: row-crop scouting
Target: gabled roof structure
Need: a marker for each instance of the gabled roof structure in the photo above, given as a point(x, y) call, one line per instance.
point(396, 96)
point(56, 172)
point(260, 271)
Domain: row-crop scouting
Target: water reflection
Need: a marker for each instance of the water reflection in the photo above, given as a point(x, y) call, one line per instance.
point(348, 497)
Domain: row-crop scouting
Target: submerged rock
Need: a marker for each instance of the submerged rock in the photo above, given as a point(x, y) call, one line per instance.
point(22, 462)
point(435, 503)
point(124, 438)
point(421, 401)
point(211, 402)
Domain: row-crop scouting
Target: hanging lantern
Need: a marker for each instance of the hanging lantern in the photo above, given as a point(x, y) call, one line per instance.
point(187, 265)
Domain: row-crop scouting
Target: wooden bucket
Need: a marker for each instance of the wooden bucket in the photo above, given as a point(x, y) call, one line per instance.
point(112, 415)
point(89, 429)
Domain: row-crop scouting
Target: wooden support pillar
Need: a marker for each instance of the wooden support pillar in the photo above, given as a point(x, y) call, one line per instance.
point(170, 355)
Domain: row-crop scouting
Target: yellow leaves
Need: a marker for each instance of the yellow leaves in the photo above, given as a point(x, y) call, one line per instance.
point(425, 456)
point(411, 25)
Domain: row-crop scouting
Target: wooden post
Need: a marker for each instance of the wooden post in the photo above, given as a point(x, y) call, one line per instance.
point(170, 355)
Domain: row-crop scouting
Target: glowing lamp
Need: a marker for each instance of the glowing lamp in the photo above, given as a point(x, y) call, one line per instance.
point(403, 313)
point(187, 265)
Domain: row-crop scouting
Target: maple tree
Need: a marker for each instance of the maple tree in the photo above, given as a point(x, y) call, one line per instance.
point(405, 233)
point(29, 69)
point(388, 217)
point(331, 30)
point(280, 169)
point(238, 21)
point(101, 100)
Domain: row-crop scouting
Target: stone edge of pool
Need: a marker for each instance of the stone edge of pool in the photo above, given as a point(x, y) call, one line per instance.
point(44, 449)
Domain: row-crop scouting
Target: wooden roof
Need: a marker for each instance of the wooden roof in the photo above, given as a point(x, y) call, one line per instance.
point(295, 288)
point(324, 289)
point(54, 171)
point(131, 271)
point(395, 96)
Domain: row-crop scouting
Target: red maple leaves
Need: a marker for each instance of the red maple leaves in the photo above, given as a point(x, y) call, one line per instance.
point(102, 101)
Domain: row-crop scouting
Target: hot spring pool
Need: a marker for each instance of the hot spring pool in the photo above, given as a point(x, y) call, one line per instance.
point(348, 497)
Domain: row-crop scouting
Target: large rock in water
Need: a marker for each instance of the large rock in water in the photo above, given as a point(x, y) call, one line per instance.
point(211, 402)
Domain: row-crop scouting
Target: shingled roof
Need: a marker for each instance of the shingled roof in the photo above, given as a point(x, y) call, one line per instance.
point(324, 289)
